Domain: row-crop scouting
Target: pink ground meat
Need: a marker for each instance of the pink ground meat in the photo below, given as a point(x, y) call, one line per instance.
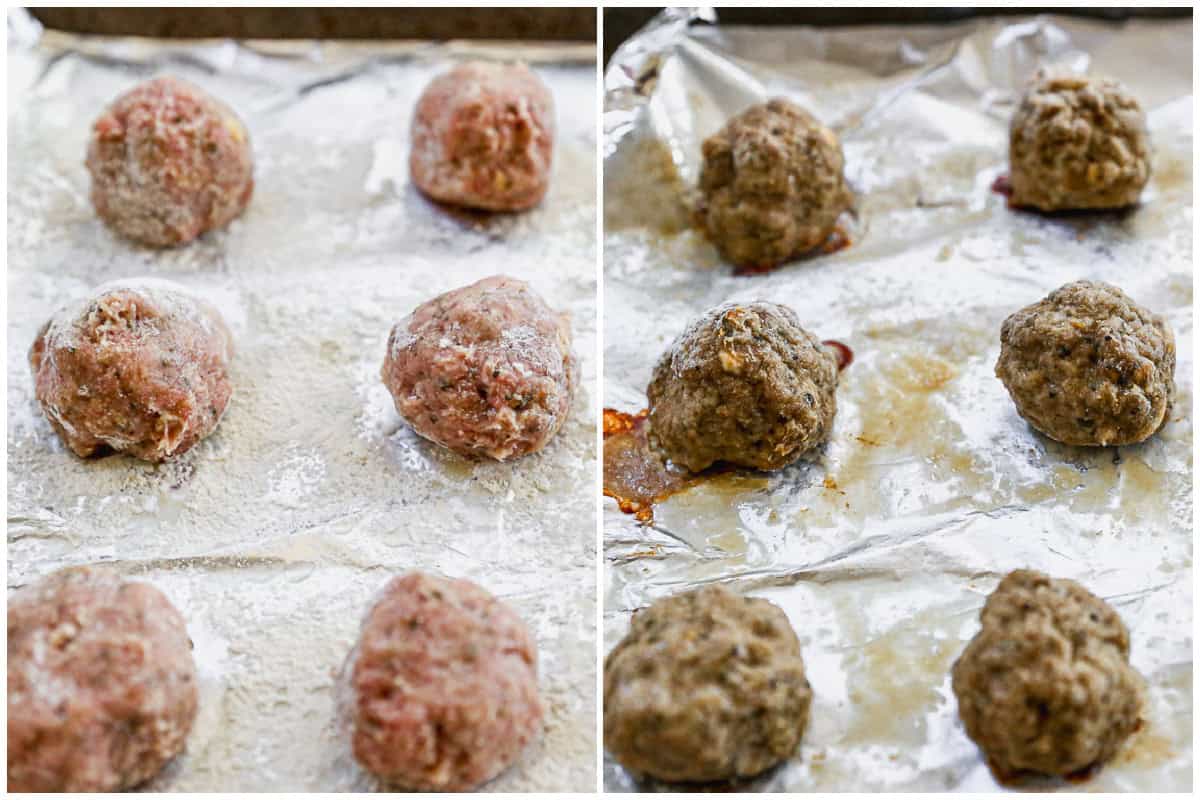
point(486, 370)
point(169, 162)
point(101, 683)
point(444, 680)
point(140, 367)
point(483, 137)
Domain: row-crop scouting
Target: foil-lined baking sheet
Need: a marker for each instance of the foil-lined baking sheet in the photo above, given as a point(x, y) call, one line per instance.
point(882, 547)
point(272, 534)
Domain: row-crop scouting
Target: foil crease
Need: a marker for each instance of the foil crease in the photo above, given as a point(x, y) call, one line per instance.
point(272, 535)
point(882, 547)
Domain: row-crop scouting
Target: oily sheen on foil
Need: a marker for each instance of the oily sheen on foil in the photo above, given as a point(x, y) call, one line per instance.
point(272, 535)
point(882, 547)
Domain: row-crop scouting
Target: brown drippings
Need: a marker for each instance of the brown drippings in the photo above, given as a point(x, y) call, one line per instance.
point(634, 475)
point(845, 356)
point(1002, 185)
point(838, 240)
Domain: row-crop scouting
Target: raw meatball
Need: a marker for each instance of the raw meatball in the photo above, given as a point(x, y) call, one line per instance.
point(101, 683)
point(485, 370)
point(1046, 686)
point(707, 685)
point(483, 137)
point(1077, 142)
point(140, 367)
point(169, 162)
point(744, 384)
point(1088, 366)
point(444, 679)
point(771, 185)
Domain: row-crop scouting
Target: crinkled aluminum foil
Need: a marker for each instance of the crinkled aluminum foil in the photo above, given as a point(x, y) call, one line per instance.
point(272, 535)
point(883, 547)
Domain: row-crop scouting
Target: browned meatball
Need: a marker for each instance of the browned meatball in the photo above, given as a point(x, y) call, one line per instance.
point(1077, 142)
point(140, 367)
point(1089, 366)
point(169, 162)
point(707, 685)
point(744, 384)
point(101, 683)
point(771, 185)
point(445, 690)
point(1046, 687)
point(485, 370)
point(483, 137)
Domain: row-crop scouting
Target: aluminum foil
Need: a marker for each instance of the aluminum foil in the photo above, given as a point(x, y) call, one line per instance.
point(883, 546)
point(272, 535)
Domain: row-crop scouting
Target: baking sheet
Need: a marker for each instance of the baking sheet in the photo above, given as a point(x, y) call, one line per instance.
point(273, 533)
point(882, 548)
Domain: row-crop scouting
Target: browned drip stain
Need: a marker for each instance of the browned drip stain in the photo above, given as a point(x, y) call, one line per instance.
point(637, 477)
point(634, 475)
point(838, 240)
point(1003, 185)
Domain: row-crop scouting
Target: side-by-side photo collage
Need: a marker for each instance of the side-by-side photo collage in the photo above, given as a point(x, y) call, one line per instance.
point(600, 399)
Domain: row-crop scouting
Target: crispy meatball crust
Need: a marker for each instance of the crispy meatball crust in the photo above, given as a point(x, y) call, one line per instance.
point(445, 685)
point(771, 185)
point(168, 162)
point(1089, 366)
point(101, 683)
point(744, 384)
point(486, 370)
point(483, 137)
point(1078, 143)
point(141, 367)
point(1046, 687)
point(707, 685)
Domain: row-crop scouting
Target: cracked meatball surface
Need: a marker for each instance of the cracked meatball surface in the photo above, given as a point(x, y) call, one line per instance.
point(140, 367)
point(708, 685)
point(1077, 142)
point(771, 185)
point(1046, 686)
point(101, 683)
point(168, 162)
point(744, 384)
point(444, 680)
point(483, 137)
point(1088, 366)
point(486, 370)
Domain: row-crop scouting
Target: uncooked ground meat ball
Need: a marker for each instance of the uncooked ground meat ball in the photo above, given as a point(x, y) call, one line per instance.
point(140, 367)
point(707, 685)
point(1089, 366)
point(483, 137)
point(1046, 687)
point(1077, 142)
point(101, 683)
point(169, 162)
point(744, 384)
point(485, 370)
point(771, 185)
point(444, 679)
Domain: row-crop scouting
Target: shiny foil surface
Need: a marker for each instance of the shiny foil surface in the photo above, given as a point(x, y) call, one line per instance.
point(882, 546)
point(272, 535)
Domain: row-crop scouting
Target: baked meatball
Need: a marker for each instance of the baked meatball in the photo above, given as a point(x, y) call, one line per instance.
point(1046, 687)
point(139, 367)
point(485, 370)
point(444, 682)
point(1077, 143)
point(1088, 366)
point(744, 384)
point(483, 137)
point(101, 683)
point(771, 185)
point(168, 162)
point(707, 685)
